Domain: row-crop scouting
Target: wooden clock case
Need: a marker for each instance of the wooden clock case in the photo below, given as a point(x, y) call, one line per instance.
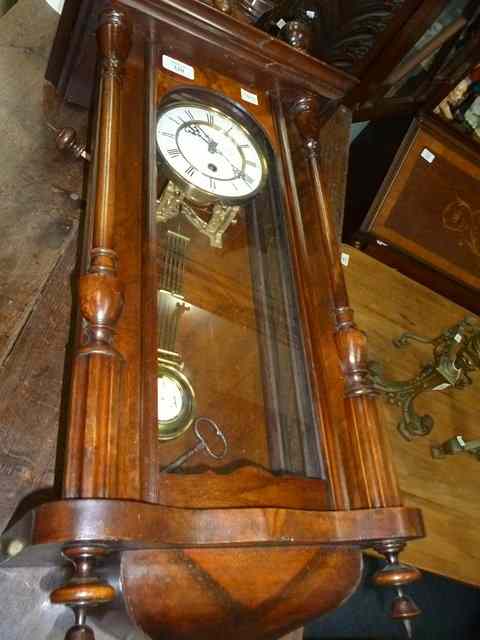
point(252, 550)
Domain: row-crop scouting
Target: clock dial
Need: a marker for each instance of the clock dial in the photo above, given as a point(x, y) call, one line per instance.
point(210, 151)
point(175, 402)
point(170, 399)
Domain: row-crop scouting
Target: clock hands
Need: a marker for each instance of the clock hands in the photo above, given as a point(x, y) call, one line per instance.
point(196, 130)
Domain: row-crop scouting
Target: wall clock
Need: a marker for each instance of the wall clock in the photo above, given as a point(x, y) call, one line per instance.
point(223, 435)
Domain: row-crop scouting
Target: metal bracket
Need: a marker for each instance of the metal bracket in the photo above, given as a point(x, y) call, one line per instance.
point(457, 445)
point(456, 354)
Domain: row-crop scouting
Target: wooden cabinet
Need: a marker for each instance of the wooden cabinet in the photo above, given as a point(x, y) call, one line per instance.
point(423, 218)
point(428, 202)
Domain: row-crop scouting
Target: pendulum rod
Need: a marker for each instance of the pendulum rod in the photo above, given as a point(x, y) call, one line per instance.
point(170, 296)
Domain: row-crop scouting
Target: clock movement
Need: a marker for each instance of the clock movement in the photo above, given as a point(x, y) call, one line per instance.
point(225, 466)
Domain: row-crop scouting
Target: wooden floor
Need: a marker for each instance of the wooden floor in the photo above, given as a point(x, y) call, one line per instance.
point(40, 208)
point(387, 304)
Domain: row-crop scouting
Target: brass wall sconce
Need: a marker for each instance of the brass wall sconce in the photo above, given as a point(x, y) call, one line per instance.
point(456, 354)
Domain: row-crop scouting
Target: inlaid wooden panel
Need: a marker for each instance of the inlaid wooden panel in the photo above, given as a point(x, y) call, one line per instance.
point(222, 586)
point(429, 203)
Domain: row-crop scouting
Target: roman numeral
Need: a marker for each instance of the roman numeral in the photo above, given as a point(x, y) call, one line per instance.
point(190, 171)
point(210, 118)
point(167, 134)
point(227, 132)
point(250, 164)
point(189, 114)
point(247, 179)
point(173, 153)
point(213, 184)
point(244, 146)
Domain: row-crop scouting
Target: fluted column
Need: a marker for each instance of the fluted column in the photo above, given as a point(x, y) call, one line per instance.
point(98, 371)
point(95, 421)
point(371, 479)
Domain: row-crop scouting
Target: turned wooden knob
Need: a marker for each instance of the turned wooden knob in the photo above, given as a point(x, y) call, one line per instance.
point(77, 592)
point(80, 632)
point(66, 140)
point(396, 575)
point(403, 608)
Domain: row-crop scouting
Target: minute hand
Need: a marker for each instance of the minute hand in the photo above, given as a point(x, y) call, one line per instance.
point(236, 171)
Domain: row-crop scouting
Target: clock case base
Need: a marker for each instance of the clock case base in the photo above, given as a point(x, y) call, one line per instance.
point(248, 551)
point(243, 571)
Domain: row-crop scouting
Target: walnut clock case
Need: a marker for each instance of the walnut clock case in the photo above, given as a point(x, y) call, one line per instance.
point(225, 465)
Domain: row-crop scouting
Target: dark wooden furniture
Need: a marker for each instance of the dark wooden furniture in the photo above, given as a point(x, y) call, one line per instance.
point(384, 43)
point(253, 545)
point(422, 219)
point(395, 83)
point(356, 37)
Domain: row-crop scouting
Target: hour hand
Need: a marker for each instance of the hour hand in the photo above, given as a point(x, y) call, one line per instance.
point(200, 133)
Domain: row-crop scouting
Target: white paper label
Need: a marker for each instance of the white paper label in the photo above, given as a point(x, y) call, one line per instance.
point(281, 23)
point(248, 96)
point(458, 338)
point(310, 14)
point(382, 243)
point(461, 441)
point(345, 259)
point(178, 67)
point(428, 155)
point(442, 387)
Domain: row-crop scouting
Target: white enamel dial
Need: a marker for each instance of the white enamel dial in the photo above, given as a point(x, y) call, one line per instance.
point(210, 151)
point(170, 398)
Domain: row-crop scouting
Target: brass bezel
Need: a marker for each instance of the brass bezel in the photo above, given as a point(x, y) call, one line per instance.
point(171, 429)
point(195, 194)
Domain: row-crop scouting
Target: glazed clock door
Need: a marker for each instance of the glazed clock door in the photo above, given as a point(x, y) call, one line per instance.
point(232, 372)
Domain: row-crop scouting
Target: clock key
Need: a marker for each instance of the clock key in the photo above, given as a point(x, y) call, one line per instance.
point(202, 444)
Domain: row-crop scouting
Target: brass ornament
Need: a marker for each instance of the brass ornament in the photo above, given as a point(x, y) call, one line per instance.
point(173, 202)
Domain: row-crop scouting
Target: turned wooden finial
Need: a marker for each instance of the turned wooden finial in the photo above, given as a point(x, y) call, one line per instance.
point(80, 632)
point(310, 113)
point(298, 34)
point(84, 590)
point(396, 575)
point(225, 6)
point(114, 36)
